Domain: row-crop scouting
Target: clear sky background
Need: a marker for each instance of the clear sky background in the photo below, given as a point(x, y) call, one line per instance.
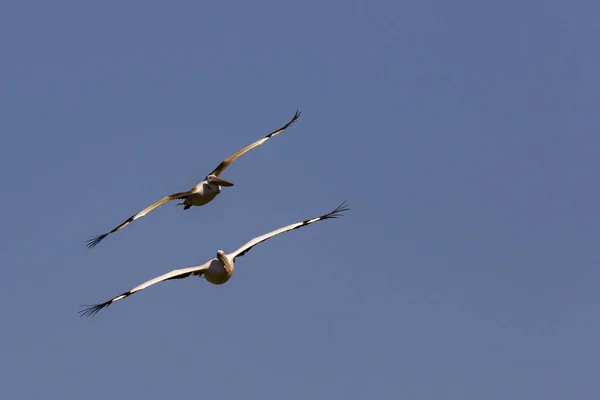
point(464, 135)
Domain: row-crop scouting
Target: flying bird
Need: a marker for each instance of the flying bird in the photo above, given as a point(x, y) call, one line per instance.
point(217, 270)
point(201, 194)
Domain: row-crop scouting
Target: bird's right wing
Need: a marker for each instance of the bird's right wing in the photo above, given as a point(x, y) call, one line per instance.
point(91, 310)
point(97, 239)
point(248, 246)
point(226, 162)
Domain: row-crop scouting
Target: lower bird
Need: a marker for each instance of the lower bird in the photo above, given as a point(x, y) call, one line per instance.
point(217, 270)
point(201, 194)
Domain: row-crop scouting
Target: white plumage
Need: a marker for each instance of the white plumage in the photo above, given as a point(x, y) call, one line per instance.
point(217, 270)
point(201, 194)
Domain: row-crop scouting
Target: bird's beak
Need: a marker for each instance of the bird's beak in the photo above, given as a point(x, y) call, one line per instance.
point(221, 182)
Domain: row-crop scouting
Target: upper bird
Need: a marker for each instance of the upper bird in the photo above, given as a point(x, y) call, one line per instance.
point(200, 194)
point(217, 270)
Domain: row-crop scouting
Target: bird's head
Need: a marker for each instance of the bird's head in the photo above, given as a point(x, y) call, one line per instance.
point(222, 257)
point(215, 180)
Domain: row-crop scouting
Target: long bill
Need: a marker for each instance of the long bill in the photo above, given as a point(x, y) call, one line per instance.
point(220, 181)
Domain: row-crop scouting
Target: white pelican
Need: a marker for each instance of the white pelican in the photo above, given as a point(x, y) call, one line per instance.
point(218, 270)
point(200, 194)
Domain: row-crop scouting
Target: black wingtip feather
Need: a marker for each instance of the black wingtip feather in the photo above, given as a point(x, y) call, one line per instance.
point(90, 311)
point(294, 119)
point(338, 211)
point(91, 243)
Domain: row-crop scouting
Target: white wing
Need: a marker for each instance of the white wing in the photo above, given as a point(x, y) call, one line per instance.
point(90, 311)
point(248, 246)
point(226, 162)
point(97, 239)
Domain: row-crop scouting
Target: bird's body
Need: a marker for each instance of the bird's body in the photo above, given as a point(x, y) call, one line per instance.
point(205, 193)
point(217, 270)
point(201, 194)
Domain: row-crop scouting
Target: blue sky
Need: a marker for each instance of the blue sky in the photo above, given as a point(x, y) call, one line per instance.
point(464, 135)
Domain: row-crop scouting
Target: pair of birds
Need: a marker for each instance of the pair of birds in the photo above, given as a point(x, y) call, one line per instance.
point(219, 269)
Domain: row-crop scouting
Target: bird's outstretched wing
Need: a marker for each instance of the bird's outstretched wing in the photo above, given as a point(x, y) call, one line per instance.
point(225, 163)
point(91, 310)
point(248, 246)
point(97, 239)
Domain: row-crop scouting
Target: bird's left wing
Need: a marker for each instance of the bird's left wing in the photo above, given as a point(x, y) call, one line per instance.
point(248, 246)
point(91, 310)
point(225, 163)
point(94, 240)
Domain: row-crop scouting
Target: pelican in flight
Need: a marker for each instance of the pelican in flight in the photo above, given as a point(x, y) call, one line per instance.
point(201, 194)
point(217, 270)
